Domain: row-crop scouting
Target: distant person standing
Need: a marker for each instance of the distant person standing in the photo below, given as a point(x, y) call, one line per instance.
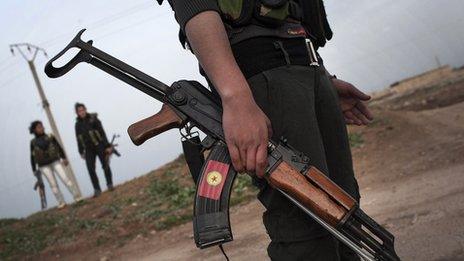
point(48, 158)
point(92, 142)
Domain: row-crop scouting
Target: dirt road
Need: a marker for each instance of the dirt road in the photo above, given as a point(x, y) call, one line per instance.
point(425, 214)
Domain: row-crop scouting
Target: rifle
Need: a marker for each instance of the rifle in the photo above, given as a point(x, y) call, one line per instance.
point(188, 104)
point(41, 187)
point(114, 151)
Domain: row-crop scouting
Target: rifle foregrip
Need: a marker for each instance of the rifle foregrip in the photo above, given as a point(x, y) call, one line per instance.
point(145, 129)
point(309, 194)
point(336, 193)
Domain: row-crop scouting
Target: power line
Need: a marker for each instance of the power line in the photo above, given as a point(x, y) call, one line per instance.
point(102, 22)
point(11, 79)
point(121, 14)
point(7, 65)
point(130, 26)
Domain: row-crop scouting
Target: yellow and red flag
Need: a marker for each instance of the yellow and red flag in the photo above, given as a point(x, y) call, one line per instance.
point(213, 180)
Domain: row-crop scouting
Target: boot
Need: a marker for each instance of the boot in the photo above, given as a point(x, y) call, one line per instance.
point(97, 193)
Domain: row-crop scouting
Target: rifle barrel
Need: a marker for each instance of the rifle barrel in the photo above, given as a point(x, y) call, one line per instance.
point(129, 79)
point(123, 67)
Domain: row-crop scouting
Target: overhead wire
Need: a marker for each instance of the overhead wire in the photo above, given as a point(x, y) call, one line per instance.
point(101, 22)
point(130, 26)
point(12, 79)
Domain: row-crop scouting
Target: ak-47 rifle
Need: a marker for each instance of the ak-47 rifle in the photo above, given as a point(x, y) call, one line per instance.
point(39, 185)
point(187, 104)
point(114, 150)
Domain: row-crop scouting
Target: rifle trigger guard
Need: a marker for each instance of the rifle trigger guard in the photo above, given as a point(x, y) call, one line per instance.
point(188, 134)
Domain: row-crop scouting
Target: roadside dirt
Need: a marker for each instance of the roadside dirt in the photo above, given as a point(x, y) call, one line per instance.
point(410, 167)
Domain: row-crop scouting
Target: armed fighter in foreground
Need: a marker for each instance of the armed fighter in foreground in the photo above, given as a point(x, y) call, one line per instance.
point(188, 104)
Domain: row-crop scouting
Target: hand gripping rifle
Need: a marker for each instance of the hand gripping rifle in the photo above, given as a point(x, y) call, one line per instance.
point(187, 104)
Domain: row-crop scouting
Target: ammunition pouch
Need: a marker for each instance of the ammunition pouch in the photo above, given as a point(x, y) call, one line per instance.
point(270, 13)
point(95, 137)
point(274, 3)
point(237, 12)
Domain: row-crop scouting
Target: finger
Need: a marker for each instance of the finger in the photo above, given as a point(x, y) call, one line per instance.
point(251, 159)
point(353, 117)
point(359, 94)
point(235, 157)
point(269, 128)
point(261, 160)
point(243, 157)
point(348, 120)
point(360, 116)
point(364, 110)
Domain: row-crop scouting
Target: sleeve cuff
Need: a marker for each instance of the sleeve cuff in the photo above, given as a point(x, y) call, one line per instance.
point(187, 9)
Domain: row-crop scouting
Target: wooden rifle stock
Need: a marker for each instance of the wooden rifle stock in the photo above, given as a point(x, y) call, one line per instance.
point(150, 127)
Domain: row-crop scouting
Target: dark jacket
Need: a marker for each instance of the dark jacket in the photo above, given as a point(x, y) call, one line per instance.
point(90, 133)
point(45, 149)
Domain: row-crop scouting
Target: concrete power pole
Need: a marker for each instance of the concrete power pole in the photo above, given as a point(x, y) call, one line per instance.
point(34, 50)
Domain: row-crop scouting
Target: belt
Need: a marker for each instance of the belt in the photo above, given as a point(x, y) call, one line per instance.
point(260, 54)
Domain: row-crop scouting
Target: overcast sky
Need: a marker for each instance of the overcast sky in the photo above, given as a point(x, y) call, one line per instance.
point(376, 43)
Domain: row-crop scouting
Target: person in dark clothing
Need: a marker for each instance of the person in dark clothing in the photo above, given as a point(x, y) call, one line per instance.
point(92, 142)
point(259, 58)
point(48, 158)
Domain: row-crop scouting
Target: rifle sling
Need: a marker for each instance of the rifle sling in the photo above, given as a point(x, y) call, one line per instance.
point(193, 156)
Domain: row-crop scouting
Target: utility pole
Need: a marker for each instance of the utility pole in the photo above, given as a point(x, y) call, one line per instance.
point(34, 50)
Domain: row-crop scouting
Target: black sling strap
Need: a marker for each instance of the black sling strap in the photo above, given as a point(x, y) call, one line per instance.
point(193, 153)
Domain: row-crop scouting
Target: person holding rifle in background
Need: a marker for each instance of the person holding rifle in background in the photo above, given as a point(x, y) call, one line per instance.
point(48, 158)
point(92, 142)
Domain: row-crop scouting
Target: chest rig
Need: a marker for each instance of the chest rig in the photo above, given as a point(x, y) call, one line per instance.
point(90, 133)
point(269, 13)
point(45, 150)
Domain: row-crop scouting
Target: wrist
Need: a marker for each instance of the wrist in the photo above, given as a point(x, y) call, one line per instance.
point(235, 92)
point(237, 100)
